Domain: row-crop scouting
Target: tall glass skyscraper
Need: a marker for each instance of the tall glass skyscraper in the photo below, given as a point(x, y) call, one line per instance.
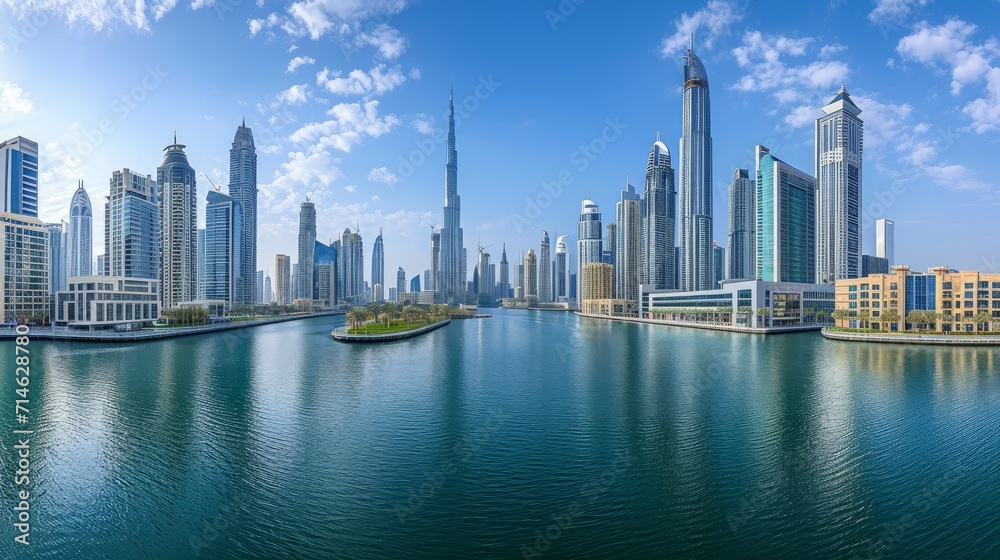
point(132, 227)
point(243, 188)
point(530, 275)
point(504, 274)
point(696, 178)
point(627, 247)
point(80, 237)
point(562, 269)
point(451, 282)
point(57, 262)
point(351, 263)
point(742, 257)
point(839, 146)
point(176, 193)
point(201, 263)
point(378, 262)
point(307, 244)
point(884, 240)
point(19, 183)
point(589, 245)
point(283, 279)
point(223, 247)
point(545, 270)
point(659, 220)
point(786, 221)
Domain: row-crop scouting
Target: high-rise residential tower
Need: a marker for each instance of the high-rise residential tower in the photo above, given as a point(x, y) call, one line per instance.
point(504, 279)
point(561, 286)
point(283, 279)
point(400, 281)
point(57, 262)
point(176, 194)
point(19, 182)
point(307, 245)
point(659, 220)
point(243, 188)
point(884, 240)
point(718, 263)
point(627, 248)
point(839, 147)
point(741, 256)
point(201, 263)
point(132, 227)
point(350, 261)
point(268, 295)
point(589, 246)
point(530, 275)
point(696, 178)
point(378, 261)
point(80, 236)
point(786, 221)
point(223, 240)
point(451, 284)
point(545, 270)
point(609, 251)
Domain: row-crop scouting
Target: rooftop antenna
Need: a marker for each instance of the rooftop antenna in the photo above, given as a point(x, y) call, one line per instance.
point(692, 42)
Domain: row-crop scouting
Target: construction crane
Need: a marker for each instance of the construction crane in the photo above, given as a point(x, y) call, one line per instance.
point(217, 187)
point(428, 223)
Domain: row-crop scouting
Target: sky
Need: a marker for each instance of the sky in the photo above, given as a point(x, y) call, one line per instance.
point(555, 99)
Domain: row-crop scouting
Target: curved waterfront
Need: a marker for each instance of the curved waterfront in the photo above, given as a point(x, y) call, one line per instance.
point(530, 434)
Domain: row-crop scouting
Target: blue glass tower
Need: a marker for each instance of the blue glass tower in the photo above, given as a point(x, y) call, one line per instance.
point(80, 237)
point(223, 247)
point(697, 263)
point(451, 282)
point(19, 184)
point(131, 226)
point(243, 188)
point(176, 194)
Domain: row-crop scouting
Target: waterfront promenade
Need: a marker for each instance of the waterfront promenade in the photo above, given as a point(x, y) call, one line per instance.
point(62, 333)
point(709, 326)
point(907, 338)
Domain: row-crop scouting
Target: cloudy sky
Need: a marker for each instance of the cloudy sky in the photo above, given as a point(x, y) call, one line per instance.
point(347, 100)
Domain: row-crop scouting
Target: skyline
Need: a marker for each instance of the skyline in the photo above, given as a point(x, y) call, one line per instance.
point(902, 129)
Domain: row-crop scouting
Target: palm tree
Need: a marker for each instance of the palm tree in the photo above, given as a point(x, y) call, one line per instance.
point(890, 316)
point(982, 319)
point(763, 312)
point(821, 316)
point(839, 316)
point(863, 317)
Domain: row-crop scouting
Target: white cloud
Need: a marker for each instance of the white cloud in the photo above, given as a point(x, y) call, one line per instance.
point(257, 25)
point(708, 24)
point(319, 17)
point(351, 188)
point(350, 123)
point(956, 177)
point(970, 63)
point(378, 80)
point(294, 95)
point(376, 197)
point(294, 63)
point(300, 175)
point(387, 39)
point(100, 13)
point(383, 175)
point(13, 99)
point(894, 11)
point(423, 124)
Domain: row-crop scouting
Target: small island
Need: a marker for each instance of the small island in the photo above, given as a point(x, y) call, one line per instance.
point(382, 322)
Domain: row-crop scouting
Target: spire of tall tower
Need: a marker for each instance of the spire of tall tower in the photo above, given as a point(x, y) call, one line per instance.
point(692, 42)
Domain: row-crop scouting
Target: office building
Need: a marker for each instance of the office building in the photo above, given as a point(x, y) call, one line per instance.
point(57, 257)
point(786, 221)
point(561, 270)
point(696, 178)
point(719, 260)
point(839, 145)
point(243, 188)
point(307, 243)
point(884, 239)
point(24, 268)
point(378, 263)
point(108, 303)
point(19, 183)
point(132, 227)
point(628, 262)
point(871, 264)
point(176, 194)
point(223, 239)
point(545, 270)
point(741, 256)
point(530, 275)
point(736, 302)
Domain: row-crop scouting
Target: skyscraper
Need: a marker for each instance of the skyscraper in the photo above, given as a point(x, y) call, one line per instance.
point(741, 256)
point(562, 270)
point(19, 183)
point(268, 294)
point(283, 279)
point(718, 263)
point(609, 251)
point(80, 237)
point(132, 227)
point(24, 268)
point(325, 272)
point(223, 247)
point(307, 244)
point(259, 291)
point(350, 261)
point(696, 178)
point(400, 281)
point(378, 262)
point(530, 275)
point(839, 146)
point(431, 281)
point(627, 248)
point(176, 194)
point(589, 246)
point(243, 188)
point(504, 279)
point(452, 281)
point(786, 221)
point(884, 240)
point(57, 262)
point(545, 270)
point(485, 278)
point(415, 283)
point(201, 263)
point(659, 220)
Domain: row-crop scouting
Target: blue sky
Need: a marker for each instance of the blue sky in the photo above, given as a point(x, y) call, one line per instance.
point(347, 99)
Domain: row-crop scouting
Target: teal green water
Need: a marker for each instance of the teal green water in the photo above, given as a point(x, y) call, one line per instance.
point(525, 435)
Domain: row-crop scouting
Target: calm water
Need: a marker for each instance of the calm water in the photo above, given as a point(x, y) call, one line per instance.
point(530, 434)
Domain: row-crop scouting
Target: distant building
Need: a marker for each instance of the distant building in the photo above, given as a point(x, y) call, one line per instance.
point(609, 249)
point(259, 292)
point(530, 275)
point(283, 279)
point(589, 245)
point(742, 253)
point(400, 281)
point(201, 263)
point(695, 199)
point(57, 262)
point(414, 284)
point(885, 240)
point(719, 254)
point(307, 242)
point(545, 270)
point(561, 270)
point(628, 250)
point(874, 265)
point(24, 268)
point(786, 221)
point(80, 237)
point(102, 265)
point(378, 265)
point(504, 279)
point(268, 294)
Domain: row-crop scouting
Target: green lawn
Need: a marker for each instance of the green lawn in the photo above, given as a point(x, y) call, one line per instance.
point(379, 328)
